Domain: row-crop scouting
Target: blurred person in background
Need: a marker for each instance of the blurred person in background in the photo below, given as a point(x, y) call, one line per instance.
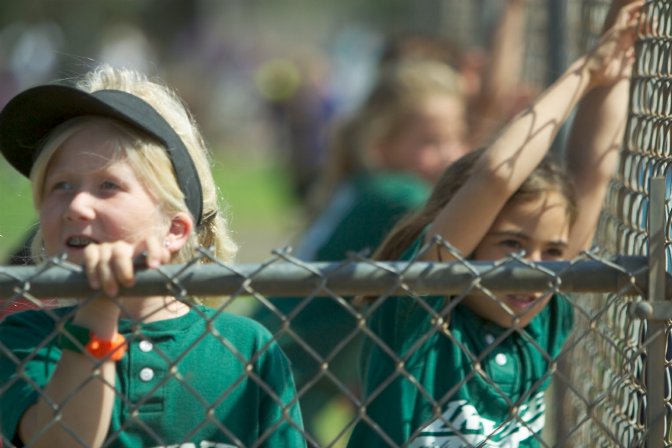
point(491, 79)
point(382, 163)
point(381, 166)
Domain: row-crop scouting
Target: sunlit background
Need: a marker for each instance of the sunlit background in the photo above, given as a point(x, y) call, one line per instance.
point(243, 67)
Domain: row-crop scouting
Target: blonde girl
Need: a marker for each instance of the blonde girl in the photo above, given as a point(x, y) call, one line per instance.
point(119, 170)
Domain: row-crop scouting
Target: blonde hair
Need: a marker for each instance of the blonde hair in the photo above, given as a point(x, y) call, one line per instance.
point(150, 160)
point(400, 91)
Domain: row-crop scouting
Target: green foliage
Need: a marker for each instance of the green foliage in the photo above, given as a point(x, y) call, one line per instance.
point(252, 191)
point(16, 210)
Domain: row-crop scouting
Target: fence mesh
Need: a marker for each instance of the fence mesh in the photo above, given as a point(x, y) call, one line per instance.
point(593, 388)
point(613, 349)
point(622, 278)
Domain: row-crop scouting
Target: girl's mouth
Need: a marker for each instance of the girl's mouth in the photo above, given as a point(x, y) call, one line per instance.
point(520, 302)
point(78, 242)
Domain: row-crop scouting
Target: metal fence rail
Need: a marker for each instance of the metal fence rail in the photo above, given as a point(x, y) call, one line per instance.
point(292, 277)
point(608, 410)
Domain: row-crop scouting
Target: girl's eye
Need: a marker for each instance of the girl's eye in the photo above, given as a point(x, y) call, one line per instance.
point(512, 244)
point(61, 186)
point(109, 185)
point(555, 252)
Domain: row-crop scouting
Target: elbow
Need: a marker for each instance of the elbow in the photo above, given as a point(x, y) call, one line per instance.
point(496, 177)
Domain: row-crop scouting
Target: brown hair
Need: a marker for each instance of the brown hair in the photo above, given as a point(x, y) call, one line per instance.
point(547, 176)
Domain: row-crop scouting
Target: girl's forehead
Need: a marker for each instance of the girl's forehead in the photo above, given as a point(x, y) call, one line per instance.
point(95, 145)
point(75, 162)
point(544, 213)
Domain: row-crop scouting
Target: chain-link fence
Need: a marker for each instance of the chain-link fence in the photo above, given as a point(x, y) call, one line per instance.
point(619, 357)
point(623, 279)
point(606, 385)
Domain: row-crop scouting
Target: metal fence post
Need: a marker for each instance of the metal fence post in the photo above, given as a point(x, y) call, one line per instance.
point(655, 344)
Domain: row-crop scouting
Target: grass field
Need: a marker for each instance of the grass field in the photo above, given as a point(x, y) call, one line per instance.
point(16, 209)
point(257, 193)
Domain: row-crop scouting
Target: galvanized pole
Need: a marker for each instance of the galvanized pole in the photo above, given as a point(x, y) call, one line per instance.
point(655, 334)
point(557, 56)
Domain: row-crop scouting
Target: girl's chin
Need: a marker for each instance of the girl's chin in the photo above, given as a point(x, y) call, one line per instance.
point(520, 302)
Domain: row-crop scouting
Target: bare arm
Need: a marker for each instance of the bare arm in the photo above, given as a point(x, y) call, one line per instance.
point(593, 147)
point(592, 156)
point(505, 165)
point(502, 74)
point(85, 391)
point(86, 400)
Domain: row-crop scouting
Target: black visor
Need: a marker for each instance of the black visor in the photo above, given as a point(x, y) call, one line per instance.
point(32, 114)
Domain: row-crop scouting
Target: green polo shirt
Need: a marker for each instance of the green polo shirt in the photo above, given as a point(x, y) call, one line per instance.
point(437, 398)
point(182, 381)
point(360, 214)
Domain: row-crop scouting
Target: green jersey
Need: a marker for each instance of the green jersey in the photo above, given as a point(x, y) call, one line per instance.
point(436, 398)
point(203, 379)
point(357, 219)
point(360, 214)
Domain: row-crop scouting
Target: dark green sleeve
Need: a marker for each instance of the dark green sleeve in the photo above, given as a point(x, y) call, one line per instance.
point(392, 393)
point(378, 366)
point(377, 208)
point(280, 420)
point(27, 354)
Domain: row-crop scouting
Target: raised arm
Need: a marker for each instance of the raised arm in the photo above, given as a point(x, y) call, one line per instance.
point(504, 166)
point(593, 146)
point(502, 75)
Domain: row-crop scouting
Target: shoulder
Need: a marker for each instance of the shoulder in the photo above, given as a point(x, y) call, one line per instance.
point(554, 323)
point(414, 250)
point(25, 331)
point(36, 318)
point(395, 187)
point(561, 308)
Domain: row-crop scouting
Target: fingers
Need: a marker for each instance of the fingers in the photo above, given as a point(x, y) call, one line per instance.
point(111, 266)
point(613, 57)
point(157, 253)
point(615, 10)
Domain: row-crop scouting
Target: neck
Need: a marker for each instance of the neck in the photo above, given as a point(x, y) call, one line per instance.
point(153, 309)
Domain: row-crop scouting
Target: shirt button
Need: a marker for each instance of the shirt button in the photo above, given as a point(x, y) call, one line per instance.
point(500, 359)
point(146, 374)
point(489, 339)
point(146, 346)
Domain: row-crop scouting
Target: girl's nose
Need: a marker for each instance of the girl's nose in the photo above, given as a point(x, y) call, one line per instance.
point(534, 255)
point(81, 207)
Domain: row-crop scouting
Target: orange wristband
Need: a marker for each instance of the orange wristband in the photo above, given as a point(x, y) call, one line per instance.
point(113, 349)
point(100, 349)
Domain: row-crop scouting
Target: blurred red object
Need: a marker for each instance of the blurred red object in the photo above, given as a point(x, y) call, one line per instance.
point(22, 304)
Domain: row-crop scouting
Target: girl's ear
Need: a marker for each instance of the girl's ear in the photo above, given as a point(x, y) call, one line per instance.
point(179, 231)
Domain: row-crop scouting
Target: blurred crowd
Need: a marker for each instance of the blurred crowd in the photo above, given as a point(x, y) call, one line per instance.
point(364, 115)
point(266, 80)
